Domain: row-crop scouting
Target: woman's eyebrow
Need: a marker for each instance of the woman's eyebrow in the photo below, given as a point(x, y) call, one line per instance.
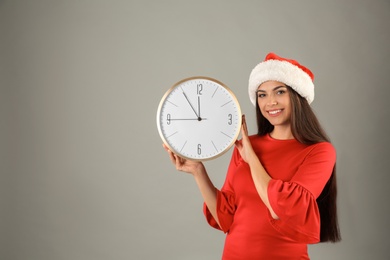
point(275, 88)
point(278, 87)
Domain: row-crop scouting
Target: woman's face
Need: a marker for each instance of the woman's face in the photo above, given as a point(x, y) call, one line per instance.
point(273, 98)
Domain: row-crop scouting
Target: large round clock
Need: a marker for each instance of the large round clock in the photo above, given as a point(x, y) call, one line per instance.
point(199, 118)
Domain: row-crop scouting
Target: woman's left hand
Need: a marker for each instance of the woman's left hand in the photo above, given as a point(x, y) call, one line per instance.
point(244, 145)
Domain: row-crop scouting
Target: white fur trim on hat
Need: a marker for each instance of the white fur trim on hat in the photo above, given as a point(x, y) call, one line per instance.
point(282, 71)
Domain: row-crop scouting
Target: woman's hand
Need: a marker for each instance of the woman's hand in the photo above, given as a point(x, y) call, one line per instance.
point(244, 145)
point(197, 169)
point(184, 165)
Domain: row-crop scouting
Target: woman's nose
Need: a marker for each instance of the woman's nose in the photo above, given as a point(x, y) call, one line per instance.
point(272, 101)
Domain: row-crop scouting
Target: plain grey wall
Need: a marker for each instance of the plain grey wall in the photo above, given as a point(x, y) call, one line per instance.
point(83, 173)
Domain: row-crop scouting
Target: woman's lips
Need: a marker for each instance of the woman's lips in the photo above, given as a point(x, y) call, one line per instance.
point(274, 112)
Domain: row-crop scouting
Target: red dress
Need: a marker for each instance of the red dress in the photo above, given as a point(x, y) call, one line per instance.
point(299, 173)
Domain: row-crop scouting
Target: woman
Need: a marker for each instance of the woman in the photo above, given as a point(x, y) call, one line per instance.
point(280, 190)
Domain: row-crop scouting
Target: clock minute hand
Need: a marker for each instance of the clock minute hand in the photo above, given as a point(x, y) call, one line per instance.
point(199, 109)
point(193, 109)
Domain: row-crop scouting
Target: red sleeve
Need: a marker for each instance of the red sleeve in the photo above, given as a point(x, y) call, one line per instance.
point(225, 211)
point(226, 205)
point(294, 202)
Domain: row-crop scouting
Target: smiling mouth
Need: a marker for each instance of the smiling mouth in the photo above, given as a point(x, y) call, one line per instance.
point(274, 112)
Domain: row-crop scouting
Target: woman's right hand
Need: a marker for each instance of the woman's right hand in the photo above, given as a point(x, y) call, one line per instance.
point(197, 169)
point(184, 165)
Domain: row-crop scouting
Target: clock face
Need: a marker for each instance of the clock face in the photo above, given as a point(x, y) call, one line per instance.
point(199, 118)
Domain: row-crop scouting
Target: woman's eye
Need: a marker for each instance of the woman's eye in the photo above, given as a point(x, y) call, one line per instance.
point(280, 92)
point(260, 95)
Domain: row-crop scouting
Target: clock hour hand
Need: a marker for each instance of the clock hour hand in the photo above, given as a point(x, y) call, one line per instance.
point(188, 119)
point(193, 109)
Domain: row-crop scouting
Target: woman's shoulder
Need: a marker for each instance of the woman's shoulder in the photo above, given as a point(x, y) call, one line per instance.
point(258, 139)
point(254, 137)
point(320, 146)
point(323, 146)
point(323, 149)
point(292, 144)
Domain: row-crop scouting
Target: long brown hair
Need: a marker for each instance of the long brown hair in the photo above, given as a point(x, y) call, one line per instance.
point(306, 129)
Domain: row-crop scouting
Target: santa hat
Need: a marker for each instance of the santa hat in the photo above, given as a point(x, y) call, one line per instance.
point(287, 71)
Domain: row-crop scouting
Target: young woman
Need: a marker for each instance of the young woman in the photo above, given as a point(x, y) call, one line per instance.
point(280, 190)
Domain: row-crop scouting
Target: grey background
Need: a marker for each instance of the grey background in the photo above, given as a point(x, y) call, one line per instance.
point(83, 173)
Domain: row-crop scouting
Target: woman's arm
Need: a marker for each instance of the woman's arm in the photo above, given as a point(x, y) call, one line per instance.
point(259, 175)
point(197, 169)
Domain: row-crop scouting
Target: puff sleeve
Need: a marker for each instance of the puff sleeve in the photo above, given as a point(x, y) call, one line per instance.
point(226, 204)
point(225, 211)
point(294, 202)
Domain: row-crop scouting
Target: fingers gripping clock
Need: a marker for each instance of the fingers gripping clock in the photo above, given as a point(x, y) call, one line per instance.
point(199, 118)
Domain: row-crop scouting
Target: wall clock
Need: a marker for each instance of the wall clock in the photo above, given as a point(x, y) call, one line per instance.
point(199, 118)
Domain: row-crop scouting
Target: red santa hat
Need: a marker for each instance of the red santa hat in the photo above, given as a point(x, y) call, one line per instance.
point(287, 71)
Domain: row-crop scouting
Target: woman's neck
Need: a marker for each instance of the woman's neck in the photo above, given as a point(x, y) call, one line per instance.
point(282, 133)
